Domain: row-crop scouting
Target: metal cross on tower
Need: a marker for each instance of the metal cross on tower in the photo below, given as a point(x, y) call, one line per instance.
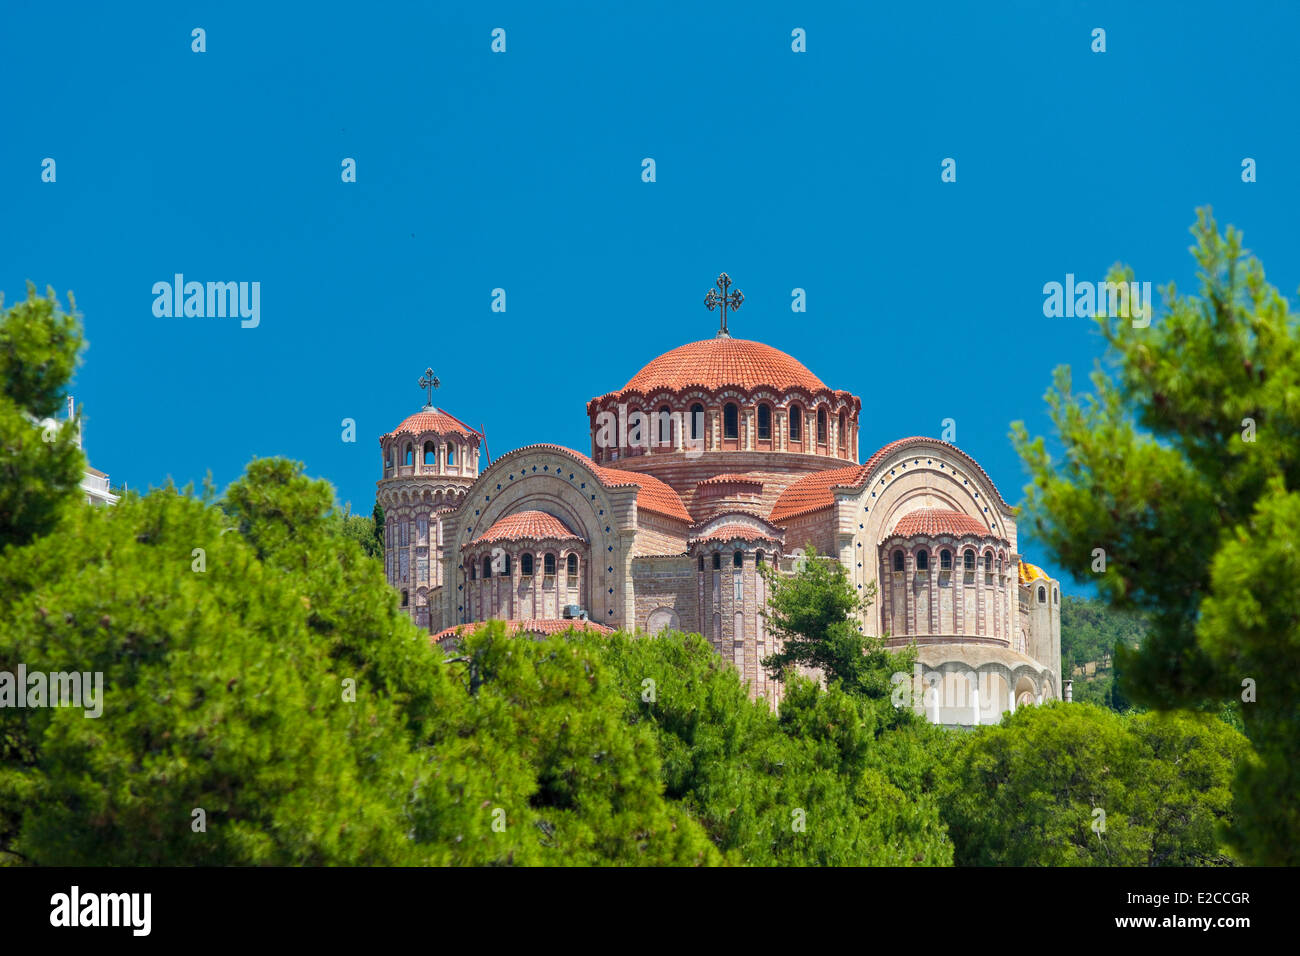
point(724, 300)
point(430, 382)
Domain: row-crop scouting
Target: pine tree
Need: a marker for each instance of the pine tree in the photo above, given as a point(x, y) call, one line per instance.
point(41, 466)
point(1184, 470)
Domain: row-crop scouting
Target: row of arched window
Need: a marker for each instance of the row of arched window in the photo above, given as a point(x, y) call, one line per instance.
point(731, 424)
point(945, 560)
point(737, 559)
point(526, 567)
point(430, 454)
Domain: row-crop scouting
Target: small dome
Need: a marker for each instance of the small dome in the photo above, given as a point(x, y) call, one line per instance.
point(1031, 572)
point(731, 532)
point(720, 362)
point(433, 420)
point(935, 521)
point(531, 525)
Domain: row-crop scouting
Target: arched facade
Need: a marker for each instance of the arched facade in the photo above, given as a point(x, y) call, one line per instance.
point(528, 565)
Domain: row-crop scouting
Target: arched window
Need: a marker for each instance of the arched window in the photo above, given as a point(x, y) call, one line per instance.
point(473, 571)
point(945, 560)
point(844, 429)
point(526, 565)
point(999, 564)
point(505, 571)
point(968, 559)
point(451, 454)
point(796, 423)
point(1042, 595)
point(572, 565)
point(1056, 596)
point(758, 557)
point(717, 560)
point(406, 599)
point(408, 456)
point(765, 423)
point(701, 562)
point(898, 560)
point(389, 461)
point(665, 425)
point(730, 420)
point(697, 421)
point(737, 559)
point(922, 561)
point(487, 567)
point(821, 426)
point(430, 453)
point(988, 561)
point(548, 564)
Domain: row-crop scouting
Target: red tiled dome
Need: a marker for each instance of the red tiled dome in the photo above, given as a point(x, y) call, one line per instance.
point(534, 525)
point(534, 626)
point(933, 521)
point(718, 362)
point(729, 532)
point(433, 420)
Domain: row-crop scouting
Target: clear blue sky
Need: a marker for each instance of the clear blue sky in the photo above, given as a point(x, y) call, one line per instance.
point(818, 170)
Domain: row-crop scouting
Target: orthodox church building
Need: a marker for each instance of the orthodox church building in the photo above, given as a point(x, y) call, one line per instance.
point(718, 457)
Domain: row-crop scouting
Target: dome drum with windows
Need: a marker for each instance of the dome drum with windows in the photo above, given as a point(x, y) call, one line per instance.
point(725, 395)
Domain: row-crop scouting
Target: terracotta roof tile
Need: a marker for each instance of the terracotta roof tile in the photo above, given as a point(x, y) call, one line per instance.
point(813, 492)
point(721, 362)
point(934, 521)
point(732, 479)
point(535, 525)
point(527, 626)
point(652, 494)
point(433, 420)
point(728, 532)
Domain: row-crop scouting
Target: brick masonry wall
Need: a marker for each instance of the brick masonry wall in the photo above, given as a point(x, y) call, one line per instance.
point(666, 582)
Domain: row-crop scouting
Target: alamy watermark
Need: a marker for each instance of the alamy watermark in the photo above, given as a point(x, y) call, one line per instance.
point(53, 689)
point(1089, 299)
point(215, 300)
point(623, 431)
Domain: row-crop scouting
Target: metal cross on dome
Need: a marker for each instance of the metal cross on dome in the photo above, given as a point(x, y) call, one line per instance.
point(724, 300)
point(430, 382)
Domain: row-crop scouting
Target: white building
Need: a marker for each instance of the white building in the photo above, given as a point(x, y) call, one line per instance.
point(95, 483)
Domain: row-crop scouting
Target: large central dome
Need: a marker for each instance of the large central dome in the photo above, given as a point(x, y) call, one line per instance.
point(719, 362)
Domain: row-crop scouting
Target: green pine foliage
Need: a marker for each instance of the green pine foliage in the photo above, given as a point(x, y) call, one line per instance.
point(1077, 785)
point(815, 612)
point(795, 790)
point(40, 470)
point(1183, 467)
point(361, 529)
point(1090, 632)
point(1090, 629)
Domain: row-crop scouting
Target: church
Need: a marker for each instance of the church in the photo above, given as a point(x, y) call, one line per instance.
point(717, 457)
